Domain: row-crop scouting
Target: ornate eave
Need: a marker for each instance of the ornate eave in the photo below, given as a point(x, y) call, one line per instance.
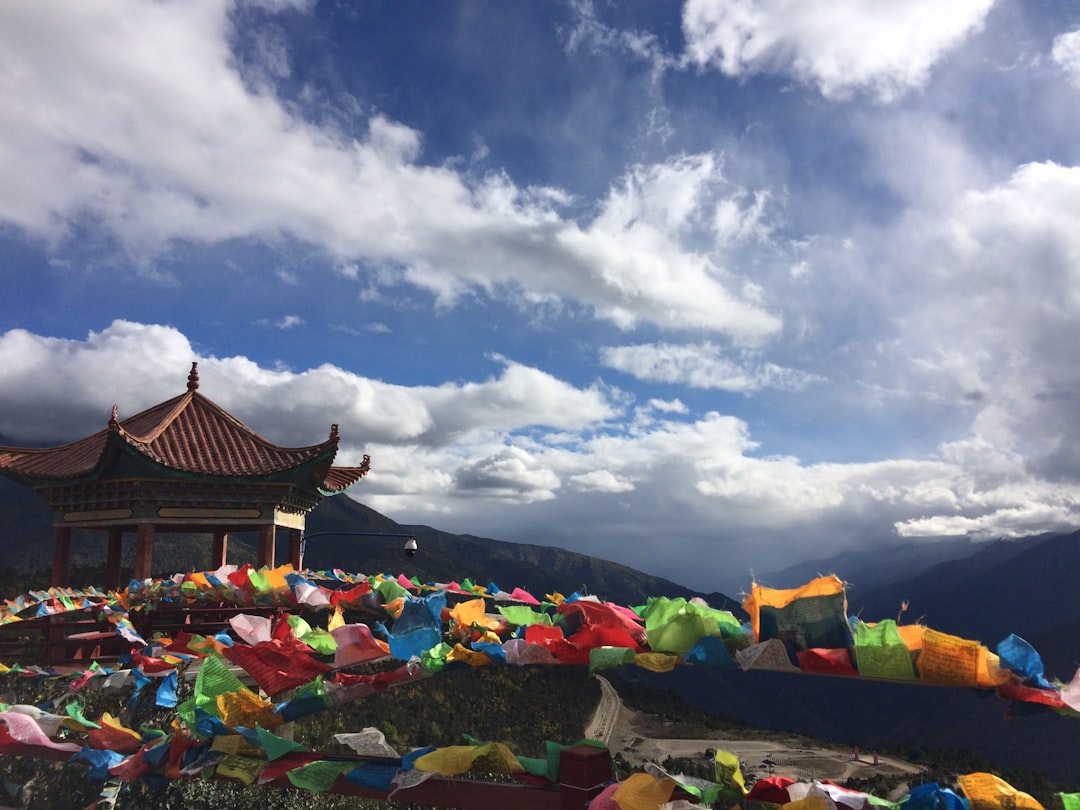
point(187, 438)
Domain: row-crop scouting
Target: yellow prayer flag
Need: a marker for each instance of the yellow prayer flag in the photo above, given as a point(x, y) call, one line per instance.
point(337, 619)
point(656, 662)
point(912, 636)
point(457, 759)
point(275, 578)
point(948, 660)
point(464, 655)
point(728, 769)
point(809, 803)
point(760, 597)
point(245, 708)
point(471, 613)
point(237, 745)
point(245, 769)
point(200, 581)
point(640, 791)
point(988, 792)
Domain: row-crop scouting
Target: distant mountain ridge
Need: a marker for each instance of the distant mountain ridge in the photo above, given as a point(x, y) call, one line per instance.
point(345, 534)
point(877, 565)
point(442, 555)
point(1024, 587)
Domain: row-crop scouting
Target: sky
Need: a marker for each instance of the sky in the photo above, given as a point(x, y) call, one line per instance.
point(706, 288)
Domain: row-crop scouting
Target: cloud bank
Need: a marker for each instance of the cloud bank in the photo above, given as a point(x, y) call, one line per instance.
point(532, 455)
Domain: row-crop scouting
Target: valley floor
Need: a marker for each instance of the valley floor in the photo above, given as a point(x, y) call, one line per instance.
point(641, 738)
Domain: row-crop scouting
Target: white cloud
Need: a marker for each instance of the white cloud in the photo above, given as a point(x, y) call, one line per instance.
point(124, 364)
point(1066, 52)
point(701, 366)
point(132, 117)
point(512, 474)
point(840, 46)
point(602, 481)
point(998, 306)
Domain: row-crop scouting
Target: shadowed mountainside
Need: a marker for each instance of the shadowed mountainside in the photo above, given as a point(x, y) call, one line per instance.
point(444, 556)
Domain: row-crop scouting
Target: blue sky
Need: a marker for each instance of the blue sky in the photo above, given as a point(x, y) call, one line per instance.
point(705, 288)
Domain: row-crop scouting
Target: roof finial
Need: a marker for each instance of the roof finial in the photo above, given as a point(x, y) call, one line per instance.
point(333, 432)
point(114, 420)
point(193, 378)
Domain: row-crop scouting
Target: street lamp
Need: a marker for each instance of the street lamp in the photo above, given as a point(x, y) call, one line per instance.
point(410, 542)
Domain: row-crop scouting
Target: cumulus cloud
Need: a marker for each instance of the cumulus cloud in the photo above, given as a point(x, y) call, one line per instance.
point(700, 366)
point(1066, 53)
point(135, 365)
point(602, 481)
point(998, 310)
point(840, 46)
point(512, 474)
point(133, 117)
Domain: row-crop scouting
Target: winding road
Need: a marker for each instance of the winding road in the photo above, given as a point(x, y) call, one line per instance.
point(614, 725)
point(605, 717)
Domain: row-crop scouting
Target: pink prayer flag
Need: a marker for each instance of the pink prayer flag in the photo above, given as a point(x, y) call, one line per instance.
point(19, 729)
point(521, 595)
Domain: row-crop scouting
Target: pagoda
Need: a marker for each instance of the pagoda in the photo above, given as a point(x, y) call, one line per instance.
point(186, 465)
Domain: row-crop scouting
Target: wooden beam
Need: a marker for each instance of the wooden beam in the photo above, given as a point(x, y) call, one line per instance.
point(267, 535)
point(62, 556)
point(112, 558)
point(219, 550)
point(296, 549)
point(144, 550)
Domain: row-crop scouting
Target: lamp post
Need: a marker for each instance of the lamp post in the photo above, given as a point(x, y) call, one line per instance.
point(410, 542)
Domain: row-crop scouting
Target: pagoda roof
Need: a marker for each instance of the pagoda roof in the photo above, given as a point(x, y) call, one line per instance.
point(187, 434)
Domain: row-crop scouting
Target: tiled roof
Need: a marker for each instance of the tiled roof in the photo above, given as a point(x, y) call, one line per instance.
point(188, 433)
point(338, 479)
point(73, 460)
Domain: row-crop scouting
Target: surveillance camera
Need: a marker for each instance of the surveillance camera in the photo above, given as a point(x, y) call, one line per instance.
point(410, 547)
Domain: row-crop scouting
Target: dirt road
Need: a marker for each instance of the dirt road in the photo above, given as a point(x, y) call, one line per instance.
point(633, 734)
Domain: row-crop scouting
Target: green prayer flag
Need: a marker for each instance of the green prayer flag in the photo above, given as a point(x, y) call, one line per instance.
point(299, 626)
point(676, 625)
point(214, 679)
point(389, 590)
point(523, 615)
point(258, 581)
point(318, 776)
point(322, 641)
point(880, 652)
point(434, 659)
point(276, 746)
point(1070, 801)
point(609, 657)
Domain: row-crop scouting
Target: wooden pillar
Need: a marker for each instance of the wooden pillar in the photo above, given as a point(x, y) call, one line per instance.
point(267, 535)
point(112, 558)
point(144, 550)
point(219, 550)
point(296, 548)
point(61, 567)
point(584, 771)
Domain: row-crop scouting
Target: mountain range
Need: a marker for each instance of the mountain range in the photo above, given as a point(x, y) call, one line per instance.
point(982, 591)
